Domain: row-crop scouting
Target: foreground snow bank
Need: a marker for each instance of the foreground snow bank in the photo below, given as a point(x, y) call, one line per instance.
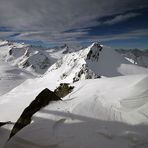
point(106, 98)
point(89, 116)
point(87, 133)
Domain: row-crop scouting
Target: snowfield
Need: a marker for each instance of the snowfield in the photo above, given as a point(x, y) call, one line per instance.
point(11, 76)
point(111, 111)
point(108, 111)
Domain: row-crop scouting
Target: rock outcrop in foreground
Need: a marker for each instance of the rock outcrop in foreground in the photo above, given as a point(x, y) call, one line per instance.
point(63, 90)
point(43, 99)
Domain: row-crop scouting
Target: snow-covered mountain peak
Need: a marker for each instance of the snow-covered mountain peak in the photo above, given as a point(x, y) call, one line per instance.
point(34, 59)
point(94, 51)
point(105, 104)
point(92, 62)
point(91, 52)
point(73, 66)
point(65, 49)
point(135, 56)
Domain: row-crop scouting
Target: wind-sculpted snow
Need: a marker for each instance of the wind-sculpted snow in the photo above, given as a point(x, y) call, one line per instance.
point(108, 112)
point(139, 99)
point(95, 113)
point(88, 133)
point(92, 111)
point(128, 69)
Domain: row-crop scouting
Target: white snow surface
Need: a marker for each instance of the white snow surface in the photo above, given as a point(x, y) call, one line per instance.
point(128, 69)
point(108, 112)
point(135, 56)
point(111, 112)
point(105, 63)
point(11, 76)
point(108, 63)
point(34, 59)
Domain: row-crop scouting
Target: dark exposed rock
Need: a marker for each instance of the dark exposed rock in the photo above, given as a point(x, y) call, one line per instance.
point(89, 54)
point(63, 90)
point(26, 64)
point(10, 52)
point(94, 52)
point(66, 49)
point(85, 72)
point(43, 99)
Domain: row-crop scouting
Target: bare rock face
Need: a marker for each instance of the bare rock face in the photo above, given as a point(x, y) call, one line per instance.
point(63, 90)
point(43, 99)
point(66, 49)
point(76, 66)
point(86, 73)
point(94, 52)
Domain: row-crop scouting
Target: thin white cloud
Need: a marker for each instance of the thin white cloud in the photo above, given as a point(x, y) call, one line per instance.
point(50, 19)
point(121, 18)
point(59, 15)
point(53, 37)
point(7, 34)
point(135, 34)
point(71, 38)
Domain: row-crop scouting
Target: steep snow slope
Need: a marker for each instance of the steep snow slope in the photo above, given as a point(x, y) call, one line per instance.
point(97, 112)
point(6, 46)
point(34, 59)
point(59, 52)
point(93, 111)
point(11, 77)
point(90, 63)
point(108, 63)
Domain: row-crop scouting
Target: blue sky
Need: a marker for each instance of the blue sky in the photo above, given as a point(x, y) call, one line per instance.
point(116, 23)
point(119, 29)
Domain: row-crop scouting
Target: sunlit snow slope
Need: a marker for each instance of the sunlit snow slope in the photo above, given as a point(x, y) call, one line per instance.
point(110, 111)
point(93, 111)
point(34, 59)
point(11, 76)
point(92, 62)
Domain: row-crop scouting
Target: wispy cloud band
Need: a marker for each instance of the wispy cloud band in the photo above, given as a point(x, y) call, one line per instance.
point(50, 20)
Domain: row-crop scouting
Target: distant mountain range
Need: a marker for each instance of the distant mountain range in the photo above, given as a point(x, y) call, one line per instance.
point(65, 98)
point(135, 56)
point(34, 59)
